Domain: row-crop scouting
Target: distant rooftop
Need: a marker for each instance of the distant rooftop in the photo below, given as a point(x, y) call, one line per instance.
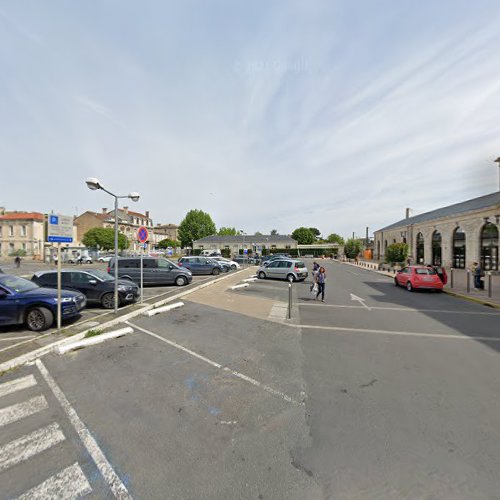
point(246, 238)
point(482, 202)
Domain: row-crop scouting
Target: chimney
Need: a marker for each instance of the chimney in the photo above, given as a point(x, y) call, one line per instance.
point(125, 209)
point(147, 214)
point(104, 210)
point(408, 213)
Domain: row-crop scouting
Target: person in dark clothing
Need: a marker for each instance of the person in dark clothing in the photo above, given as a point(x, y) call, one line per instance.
point(314, 272)
point(478, 273)
point(17, 260)
point(320, 280)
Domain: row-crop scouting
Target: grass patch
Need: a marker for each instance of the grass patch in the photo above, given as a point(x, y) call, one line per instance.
point(93, 333)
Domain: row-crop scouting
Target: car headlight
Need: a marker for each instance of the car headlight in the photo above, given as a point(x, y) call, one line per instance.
point(123, 288)
point(65, 299)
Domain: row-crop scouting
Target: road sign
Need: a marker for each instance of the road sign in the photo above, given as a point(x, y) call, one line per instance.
point(245, 251)
point(142, 234)
point(60, 229)
point(145, 246)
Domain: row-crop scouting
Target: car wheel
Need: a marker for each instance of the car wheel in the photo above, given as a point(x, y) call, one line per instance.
point(290, 278)
point(181, 281)
point(396, 282)
point(215, 271)
point(409, 286)
point(89, 262)
point(108, 300)
point(233, 268)
point(39, 318)
point(262, 275)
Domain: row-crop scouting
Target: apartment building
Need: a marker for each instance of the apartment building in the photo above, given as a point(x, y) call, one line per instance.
point(22, 232)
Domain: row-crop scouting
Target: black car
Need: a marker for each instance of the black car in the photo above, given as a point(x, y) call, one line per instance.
point(98, 286)
point(155, 271)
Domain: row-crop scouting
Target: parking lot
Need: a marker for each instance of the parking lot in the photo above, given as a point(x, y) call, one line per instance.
point(377, 393)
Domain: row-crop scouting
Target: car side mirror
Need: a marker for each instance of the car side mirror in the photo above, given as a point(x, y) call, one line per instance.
point(171, 267)
point(93, 282)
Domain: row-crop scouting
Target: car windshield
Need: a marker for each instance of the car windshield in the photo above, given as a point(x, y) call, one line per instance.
point(425, 271)
point(102, 275)
point(166, 263)
point(19, 285)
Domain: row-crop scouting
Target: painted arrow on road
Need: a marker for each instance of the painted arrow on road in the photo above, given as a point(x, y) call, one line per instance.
point(360, 300)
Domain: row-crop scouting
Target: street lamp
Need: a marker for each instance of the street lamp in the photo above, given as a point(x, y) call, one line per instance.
point(498, 161)
point(94, 185)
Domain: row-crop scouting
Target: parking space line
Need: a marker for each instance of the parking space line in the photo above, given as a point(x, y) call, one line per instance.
point(4, 339)
point(68, 484)
point(17, 385)
point(346, 329)
point(22, 410)
point(239, 375)
point(114, 482)
point(37, 337)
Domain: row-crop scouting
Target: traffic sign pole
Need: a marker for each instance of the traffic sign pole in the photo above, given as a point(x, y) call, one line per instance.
point(59, 306)
point(142, 276)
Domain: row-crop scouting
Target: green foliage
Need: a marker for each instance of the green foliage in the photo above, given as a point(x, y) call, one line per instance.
point(105, 238)
point(227, 231)
point(18, 253)
point(316, 232)
point(197, 224)
point(352, 248)
point(274, 232)
point(93, 333)
point(258, 233)
point(396, 253)
point(335, 238)
point(304, 236)
point(226, 252)
point(166, 243)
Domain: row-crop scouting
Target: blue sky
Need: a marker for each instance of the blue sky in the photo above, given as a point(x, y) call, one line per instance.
point(265, 114)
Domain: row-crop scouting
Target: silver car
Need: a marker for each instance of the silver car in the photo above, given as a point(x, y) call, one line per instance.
point(285, 269)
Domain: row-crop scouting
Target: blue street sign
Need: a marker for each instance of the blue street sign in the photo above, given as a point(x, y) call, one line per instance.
point(245, 251)
point(60, 239)
point(142, 234)
point(54, 219)
point(145, 246)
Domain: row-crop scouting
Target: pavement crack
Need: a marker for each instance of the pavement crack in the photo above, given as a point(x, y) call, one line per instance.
point(369, 384)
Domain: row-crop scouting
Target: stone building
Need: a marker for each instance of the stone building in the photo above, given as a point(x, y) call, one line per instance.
point(453, 236)
point(255, 243)
point(22, 231)
point(165, 231)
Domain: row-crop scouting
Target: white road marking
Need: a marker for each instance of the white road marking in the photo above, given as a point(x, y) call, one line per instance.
point(400, 309)
point(22, 410)
point(110, 476)
point(360, 300)
point(30, 445)
point(4, 339)
point(241, 376)
point(393, 332)
point(16, 385)
point(37, 337)
point(68, 484)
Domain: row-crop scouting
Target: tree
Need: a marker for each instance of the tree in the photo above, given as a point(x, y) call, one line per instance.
point(335, 238)
point(303, 236)
point(227, 231)
point(274, 232)
point(258, 233)
point(105, 238)
point(352, 248)
point(316, 232)
point(197, 224)
point(166, 243)
point(397, 252)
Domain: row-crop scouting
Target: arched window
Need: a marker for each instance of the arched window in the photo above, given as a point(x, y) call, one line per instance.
point(459, 248)
point(489, 247)
point(436, 248)
point(420, 248)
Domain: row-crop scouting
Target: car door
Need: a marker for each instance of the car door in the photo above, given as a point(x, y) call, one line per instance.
point(150, 273)
point(85, 283)
point(9, 307)
point(283, 269)
point(272, 269)
point(402, 276)
point(166, 272)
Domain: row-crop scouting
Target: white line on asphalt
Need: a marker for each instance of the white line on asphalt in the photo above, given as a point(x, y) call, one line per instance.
point(360, 300)
point(401, 309)
point(68, 484)
point(110, 476)
point(4, 339)
point(393, 332)
point(241, 376)
point(37, 337)
point(22, 410)
point(29, 445)
point(17, 384)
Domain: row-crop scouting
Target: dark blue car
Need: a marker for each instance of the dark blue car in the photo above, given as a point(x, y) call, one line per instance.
point(24, 302)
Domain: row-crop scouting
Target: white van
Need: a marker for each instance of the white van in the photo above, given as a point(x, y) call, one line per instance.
point(211, 253)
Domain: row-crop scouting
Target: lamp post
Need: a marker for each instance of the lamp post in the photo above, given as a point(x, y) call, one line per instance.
point(498, 161)
point(94, 184)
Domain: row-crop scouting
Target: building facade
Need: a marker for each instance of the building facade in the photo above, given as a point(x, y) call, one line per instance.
point(164, 232)
point(254, 243)
point(454, 236)
point(22, 232)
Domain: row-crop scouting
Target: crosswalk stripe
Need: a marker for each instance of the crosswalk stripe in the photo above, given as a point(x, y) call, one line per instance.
point(21, 410)
point(68, 484)
point(30, 445)
point(17, 385)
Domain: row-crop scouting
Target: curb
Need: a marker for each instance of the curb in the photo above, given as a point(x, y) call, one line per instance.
point(63, 349)
point(42, 351)
point(158, 310)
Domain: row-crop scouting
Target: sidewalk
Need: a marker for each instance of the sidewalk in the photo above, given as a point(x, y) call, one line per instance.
point(459, 288)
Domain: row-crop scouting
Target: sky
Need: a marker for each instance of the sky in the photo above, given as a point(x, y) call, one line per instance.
point(265, 114)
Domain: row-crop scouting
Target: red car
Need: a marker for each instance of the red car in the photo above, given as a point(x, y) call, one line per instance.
point(418, 277)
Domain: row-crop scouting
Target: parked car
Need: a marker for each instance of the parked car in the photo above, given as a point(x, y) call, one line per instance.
point(418, 277)
point(97, 286)
point(77, 259)
point(24, 302)
point(227, 262)
point(105, 258)
point(156, 271)
point(201, 265)
point(288, 269)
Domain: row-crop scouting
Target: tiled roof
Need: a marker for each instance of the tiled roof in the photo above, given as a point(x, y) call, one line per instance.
point(246, 238)
point(489, 200)
point(23, 216)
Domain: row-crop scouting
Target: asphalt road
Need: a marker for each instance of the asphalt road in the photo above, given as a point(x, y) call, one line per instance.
point(377, 394)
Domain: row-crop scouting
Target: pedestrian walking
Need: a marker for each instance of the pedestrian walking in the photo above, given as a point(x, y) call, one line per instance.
point(314, 272)
point(320, 280)
point(17, 261)
point(478, 273)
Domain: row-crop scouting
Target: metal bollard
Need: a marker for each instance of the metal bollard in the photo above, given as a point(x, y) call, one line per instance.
point(489, 284)
point(468, 280)
point(451, 277)
point(290, 300)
